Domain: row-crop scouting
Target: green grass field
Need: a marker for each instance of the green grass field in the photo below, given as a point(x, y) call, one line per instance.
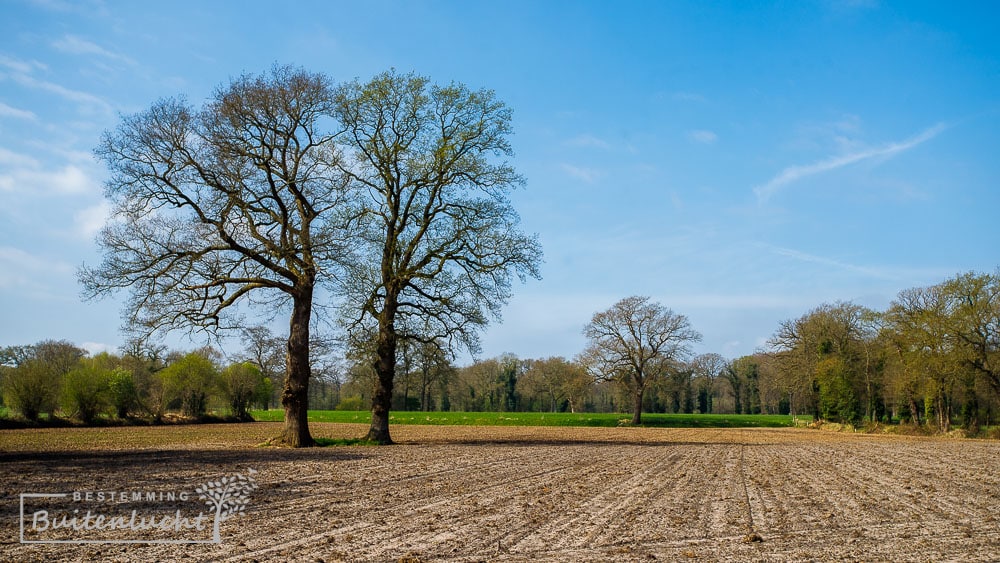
point(550, 419)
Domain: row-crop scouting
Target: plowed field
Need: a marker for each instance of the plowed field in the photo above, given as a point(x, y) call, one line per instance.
point(535, 494)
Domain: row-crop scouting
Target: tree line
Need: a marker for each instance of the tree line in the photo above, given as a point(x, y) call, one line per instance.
point(932, 358)
point(929, 359)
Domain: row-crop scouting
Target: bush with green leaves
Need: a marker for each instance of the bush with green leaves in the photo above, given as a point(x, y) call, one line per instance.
point(123, 392)
point(191, 379)
point(85, 391)
point(244, 384)
point(351, 404)
point(32, 388)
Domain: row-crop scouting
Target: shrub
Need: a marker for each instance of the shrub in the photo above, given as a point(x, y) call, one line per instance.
point(31, 388)
point(243, 384)
point(85, 392)
point(191, 380)
point(123, 392)
point(350, 404)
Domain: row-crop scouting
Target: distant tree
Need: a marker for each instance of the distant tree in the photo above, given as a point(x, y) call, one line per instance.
point(432, 362)
point(973, 321)
point(243, 384)
point(707, 369)
point(123, 392)
point(636, 342)
point(328, 370)
point(441, 239)
point(86, 390)
point(266, 351)
point(61, 355)
point(558, 381)
point(479, 387)
point(32, 388)
point(677, 384)
point(144, 359)
point(829, 351)
point(239, 199)
point(13, 356)
point(190, 379)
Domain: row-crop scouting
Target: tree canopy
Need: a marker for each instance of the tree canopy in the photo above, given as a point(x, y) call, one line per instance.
point(238, 199)
point(636, 341)
point(439, 239)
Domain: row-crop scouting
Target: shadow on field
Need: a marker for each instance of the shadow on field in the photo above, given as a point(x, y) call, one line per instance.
point(146, 460)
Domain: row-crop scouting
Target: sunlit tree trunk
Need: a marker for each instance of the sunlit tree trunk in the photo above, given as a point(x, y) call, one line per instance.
point(295, 397)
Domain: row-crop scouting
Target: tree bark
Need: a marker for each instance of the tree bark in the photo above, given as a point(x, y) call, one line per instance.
point(385, 373)
point(637, 407)
point(295, 396)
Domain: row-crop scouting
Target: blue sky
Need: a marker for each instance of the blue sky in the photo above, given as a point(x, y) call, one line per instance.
point(740, 163)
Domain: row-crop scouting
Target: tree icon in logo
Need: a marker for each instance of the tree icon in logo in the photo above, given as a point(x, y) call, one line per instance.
point(229, 497)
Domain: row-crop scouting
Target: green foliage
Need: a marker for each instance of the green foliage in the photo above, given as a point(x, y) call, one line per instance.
point(190, 380)
point(123, 392)
point(32, 388)
point(243, 384)
point(354, 403)
point(85, 391)
point(837, 401)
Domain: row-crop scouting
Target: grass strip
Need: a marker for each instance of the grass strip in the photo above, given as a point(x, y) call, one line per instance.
point(550, 419)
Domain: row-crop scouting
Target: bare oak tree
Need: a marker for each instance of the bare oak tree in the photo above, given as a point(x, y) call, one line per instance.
point(440, 239)
point(708, 368)
point(238, 200)
point(636, 342)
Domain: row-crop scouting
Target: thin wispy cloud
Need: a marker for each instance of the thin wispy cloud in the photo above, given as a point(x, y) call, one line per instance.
point(10, 160)
point(17, 65)
point(703, 136)
point(63, 92)
point(588, 140)
point(588, 175)
point(822, 260)
point(78, 46)
point(795, 173)
point(8, 111)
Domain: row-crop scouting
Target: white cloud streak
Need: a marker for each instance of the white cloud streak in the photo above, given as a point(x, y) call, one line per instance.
point(806, 257)
point(588, 175)
point(795, 173)
point(588, 140)
point(18, 65)
point(77, 46)
point(8, 111)
point(63, 92)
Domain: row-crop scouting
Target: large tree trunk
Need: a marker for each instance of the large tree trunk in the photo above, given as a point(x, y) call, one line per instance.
point(637, 407)
point(295, 396)
point(385, 372)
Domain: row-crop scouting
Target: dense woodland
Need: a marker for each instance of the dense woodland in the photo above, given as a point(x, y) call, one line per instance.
point(931, 359)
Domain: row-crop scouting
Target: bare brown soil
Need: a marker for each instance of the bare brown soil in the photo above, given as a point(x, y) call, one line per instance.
point(535, 494)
